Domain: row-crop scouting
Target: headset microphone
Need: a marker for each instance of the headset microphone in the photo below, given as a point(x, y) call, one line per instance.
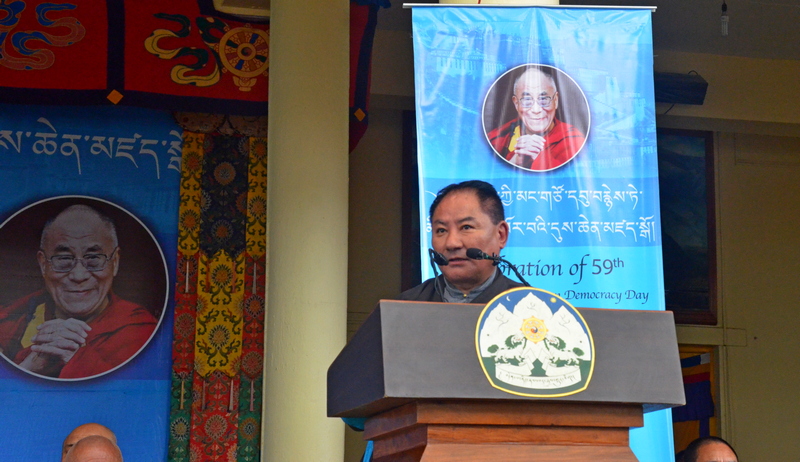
point(441, 260)
point(478, 254)
point(438, 258)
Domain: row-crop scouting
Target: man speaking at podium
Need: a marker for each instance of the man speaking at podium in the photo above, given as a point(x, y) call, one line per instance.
point(467, 215)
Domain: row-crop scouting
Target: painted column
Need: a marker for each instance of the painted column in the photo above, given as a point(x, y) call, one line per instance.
point(307, 220)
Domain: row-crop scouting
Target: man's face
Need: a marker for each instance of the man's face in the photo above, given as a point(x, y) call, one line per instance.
point(536, 101)
point(460, 223)
point(78, 293)
point(715, 452)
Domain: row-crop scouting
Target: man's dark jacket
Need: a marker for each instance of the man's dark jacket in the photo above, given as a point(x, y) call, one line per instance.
point(426, 292)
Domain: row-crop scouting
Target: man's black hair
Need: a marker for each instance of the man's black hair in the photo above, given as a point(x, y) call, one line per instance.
point(690, 453)
point(487, 196)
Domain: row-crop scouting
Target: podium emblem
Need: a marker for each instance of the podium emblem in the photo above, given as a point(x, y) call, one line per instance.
point(531, 342)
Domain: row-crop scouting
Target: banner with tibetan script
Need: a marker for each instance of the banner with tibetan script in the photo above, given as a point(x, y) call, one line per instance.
point(88, 213)
point(555, 108)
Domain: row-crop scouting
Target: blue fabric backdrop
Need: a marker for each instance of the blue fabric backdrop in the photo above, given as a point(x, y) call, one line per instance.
point(130, 157)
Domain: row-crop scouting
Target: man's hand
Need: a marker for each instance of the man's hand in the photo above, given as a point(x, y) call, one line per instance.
point(55, 344)
point(527, 149)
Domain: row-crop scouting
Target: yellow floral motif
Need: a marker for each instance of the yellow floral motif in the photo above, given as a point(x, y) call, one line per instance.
point(218, 329)
point(257, 199)
point(188, 242)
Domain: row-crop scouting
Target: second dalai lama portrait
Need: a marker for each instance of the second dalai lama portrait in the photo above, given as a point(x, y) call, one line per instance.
point(536, 118)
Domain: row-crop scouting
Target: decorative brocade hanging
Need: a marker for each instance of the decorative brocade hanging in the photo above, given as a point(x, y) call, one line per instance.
point(219, 314)
point(175, 55)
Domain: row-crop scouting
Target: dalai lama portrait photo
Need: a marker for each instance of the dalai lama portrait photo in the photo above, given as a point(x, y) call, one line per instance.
point(536, 118)
point(67, 309)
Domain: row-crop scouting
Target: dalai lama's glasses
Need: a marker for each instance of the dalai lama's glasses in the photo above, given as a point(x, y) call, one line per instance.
point(543, 101)
point(91, 261)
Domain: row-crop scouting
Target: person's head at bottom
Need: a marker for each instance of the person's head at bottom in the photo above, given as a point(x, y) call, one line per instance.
point(82, 431)
point(709, 449)
point(94, 448)
point(468, 215)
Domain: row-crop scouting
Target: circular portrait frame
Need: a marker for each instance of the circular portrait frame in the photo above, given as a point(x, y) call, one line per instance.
point(142, 277)
point(499, 114)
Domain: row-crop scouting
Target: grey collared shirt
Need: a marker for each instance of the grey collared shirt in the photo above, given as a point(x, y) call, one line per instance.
point(453, 295)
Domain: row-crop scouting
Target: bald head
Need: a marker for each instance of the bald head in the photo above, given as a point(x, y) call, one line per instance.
point(82, 431)
point(710, 449)
point(533, 74)
point(94, 448)
point(77, 215)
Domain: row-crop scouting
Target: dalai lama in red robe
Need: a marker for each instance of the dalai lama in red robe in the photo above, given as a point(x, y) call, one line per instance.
point(536, 139)
point(77, 327)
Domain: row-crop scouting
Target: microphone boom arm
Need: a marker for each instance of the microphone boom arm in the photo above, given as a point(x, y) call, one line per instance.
point(497, 260)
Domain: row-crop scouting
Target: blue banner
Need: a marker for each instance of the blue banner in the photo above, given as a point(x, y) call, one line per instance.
point(555, 108)
point(63, 169)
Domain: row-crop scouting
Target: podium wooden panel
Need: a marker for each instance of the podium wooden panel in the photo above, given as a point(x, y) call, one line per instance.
point(413, 370)
point(483, 430)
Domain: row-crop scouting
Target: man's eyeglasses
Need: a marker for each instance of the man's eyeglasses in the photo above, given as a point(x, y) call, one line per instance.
point(543, 101)
point(91, 261)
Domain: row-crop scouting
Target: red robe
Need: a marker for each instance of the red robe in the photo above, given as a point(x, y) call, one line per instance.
point(562, 142)
point(117, 334)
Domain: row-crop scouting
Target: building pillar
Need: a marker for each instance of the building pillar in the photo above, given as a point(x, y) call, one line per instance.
point(307, 226)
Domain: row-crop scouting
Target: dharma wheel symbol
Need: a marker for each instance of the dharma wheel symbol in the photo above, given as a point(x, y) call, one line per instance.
point(534, 329)
point(245, 53)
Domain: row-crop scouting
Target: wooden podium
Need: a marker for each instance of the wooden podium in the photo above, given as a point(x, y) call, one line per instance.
point(412, 369)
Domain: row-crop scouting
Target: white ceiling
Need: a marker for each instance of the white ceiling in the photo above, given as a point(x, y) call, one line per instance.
point(757, 28)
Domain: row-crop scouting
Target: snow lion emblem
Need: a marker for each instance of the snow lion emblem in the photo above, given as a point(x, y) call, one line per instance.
point(534, 343)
